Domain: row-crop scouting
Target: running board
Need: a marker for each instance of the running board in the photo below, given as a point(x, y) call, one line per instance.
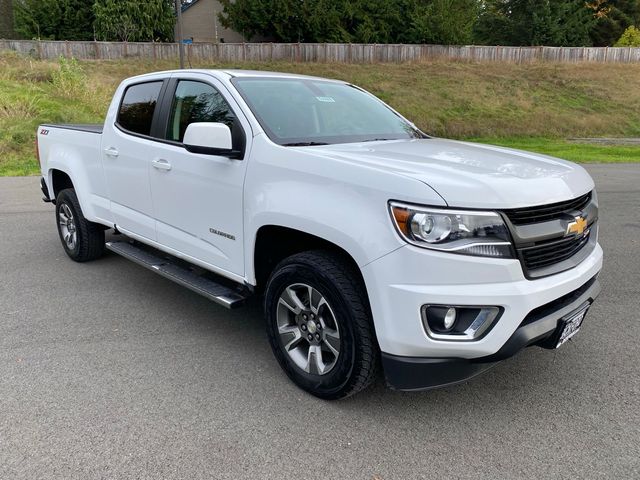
point(225, 296)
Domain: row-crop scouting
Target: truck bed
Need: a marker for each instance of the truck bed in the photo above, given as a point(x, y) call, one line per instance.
point(88, 128)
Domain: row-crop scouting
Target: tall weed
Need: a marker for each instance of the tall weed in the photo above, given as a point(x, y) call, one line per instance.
point(69, 80)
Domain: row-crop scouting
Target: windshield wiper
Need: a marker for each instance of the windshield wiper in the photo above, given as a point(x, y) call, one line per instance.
point(379, 139)
point(303, 144)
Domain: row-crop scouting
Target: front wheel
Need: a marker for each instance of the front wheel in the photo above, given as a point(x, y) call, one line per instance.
point(81, 239)
point(319, 325)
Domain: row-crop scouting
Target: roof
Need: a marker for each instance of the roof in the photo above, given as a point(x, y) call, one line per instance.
point(238, 73)
point(187, 6)
point(261, 73)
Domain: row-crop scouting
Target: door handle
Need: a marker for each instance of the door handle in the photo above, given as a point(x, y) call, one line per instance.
point(161, 164)
point(111, 152)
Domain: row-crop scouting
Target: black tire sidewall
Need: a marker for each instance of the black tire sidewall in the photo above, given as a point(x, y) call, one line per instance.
point(335, 381)
point(64, 199)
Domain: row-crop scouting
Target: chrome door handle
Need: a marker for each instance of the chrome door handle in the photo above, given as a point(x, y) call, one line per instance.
point(161, 164)
point(111, 152)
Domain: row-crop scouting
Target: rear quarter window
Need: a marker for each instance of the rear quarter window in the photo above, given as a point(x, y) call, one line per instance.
point(138, 106)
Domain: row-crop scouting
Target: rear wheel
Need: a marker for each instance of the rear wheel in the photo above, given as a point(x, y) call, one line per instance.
point(319, 325)
point(81, 239)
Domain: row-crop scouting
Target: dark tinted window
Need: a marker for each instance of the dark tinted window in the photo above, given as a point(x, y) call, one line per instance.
point(138, 105)
point(199, 102)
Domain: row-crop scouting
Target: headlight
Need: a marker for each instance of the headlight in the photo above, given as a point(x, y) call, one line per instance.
point(466, 232)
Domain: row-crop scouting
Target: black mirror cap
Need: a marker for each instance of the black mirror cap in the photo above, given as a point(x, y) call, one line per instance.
point(219, 152)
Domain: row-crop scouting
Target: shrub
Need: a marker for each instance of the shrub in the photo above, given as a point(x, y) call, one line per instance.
point(69, 79)
point(630, 38)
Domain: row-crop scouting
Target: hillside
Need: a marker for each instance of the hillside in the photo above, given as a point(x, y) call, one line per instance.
point(536, 106)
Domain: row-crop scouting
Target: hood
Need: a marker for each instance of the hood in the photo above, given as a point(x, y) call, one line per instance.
point(471, 175)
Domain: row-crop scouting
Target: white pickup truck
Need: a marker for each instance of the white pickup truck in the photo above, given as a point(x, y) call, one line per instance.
point(371, 243)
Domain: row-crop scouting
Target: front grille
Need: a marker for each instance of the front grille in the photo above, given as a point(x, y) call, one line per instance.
point(545, 213)
point(550, 253)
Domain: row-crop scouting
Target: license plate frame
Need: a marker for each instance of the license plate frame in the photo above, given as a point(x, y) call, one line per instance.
point(570, 325)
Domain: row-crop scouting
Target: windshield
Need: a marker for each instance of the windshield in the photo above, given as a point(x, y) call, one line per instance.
point(297, 111)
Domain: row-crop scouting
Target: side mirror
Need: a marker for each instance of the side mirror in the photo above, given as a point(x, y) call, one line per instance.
point(209, 138)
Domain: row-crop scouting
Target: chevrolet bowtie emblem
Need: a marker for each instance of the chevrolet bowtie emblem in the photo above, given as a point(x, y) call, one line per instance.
point(578, 226)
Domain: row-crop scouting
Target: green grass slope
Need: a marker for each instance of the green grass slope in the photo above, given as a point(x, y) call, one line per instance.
point(535, 107)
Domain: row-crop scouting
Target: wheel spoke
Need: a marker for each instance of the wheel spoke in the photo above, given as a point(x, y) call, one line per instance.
point(310, 294)
point(320, 304)
point(290, 307)
point(63, 219)
point(296, 305)
point(332, 340)
point(314, 360)
point(290, 336)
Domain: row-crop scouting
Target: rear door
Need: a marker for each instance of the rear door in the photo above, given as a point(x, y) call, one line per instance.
point(126, 145)
point(197, 199)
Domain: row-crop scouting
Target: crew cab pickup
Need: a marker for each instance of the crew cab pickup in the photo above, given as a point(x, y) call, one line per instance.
point(371, 243)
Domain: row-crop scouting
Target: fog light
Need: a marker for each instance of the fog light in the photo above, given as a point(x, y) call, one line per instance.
point(457, 323)
point(449, 318)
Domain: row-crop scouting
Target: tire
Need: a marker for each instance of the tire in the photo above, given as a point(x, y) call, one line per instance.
point(343, 322)
point(88, 242)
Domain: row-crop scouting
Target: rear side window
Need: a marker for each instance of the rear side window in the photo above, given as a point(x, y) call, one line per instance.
point(137, 107)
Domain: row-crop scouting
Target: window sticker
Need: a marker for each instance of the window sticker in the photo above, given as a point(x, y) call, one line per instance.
point(326, 99)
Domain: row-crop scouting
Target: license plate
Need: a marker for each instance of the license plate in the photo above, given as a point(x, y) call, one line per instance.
point(571, 326)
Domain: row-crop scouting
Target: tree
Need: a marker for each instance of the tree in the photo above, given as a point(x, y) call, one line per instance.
point(54, 19)
point(287, 20)
point(533, 22)
point(613, 17)
point(444, 22)
point(6, 19)
point(134, 20)
point(359, 21)
point(630, 38)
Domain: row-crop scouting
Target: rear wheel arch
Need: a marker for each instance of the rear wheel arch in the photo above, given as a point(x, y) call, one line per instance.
point(59, 181)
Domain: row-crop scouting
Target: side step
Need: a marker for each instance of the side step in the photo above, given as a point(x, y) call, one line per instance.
point(225, 296)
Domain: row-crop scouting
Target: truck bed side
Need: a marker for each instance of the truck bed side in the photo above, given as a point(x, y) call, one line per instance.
point(76, 151)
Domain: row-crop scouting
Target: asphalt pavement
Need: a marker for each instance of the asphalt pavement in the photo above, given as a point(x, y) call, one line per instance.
point(109, 371)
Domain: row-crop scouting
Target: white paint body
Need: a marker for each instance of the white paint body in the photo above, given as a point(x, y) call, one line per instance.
point(169, 198)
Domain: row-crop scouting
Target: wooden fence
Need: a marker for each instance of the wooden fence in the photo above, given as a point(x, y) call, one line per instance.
point(319, 52)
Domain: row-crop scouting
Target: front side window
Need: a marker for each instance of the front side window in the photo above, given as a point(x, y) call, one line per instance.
point(138, 106)
point(296, 111)
point(198, 102)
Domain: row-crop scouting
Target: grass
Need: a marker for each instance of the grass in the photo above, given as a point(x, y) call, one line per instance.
point(534, 107)
point(576, 152)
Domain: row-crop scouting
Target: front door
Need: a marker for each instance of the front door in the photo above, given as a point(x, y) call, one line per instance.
point(197, 199)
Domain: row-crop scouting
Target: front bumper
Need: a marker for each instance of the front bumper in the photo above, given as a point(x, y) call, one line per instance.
point(540, 327)
point(402, 281)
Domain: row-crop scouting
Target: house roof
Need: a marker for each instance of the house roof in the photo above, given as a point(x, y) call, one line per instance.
point(187, 6)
